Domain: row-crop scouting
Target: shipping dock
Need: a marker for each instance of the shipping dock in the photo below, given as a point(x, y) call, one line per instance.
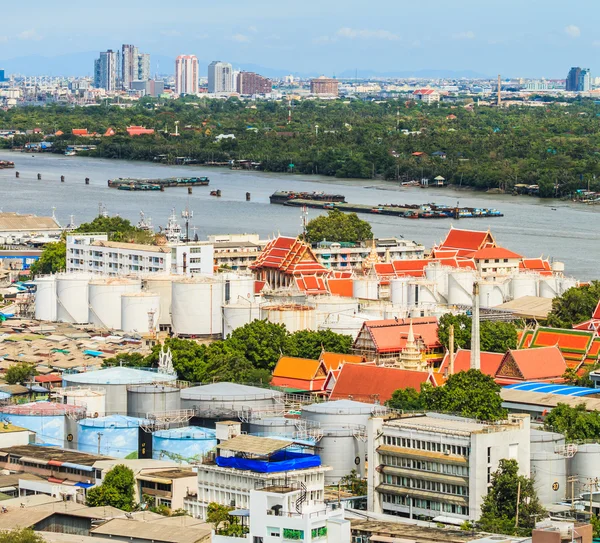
point(126, 183)
point(283, 196)
point(407, 211)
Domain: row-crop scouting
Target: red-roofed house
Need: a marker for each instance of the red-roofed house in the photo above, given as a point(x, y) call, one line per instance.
point(488, 362)
point(299, 374)
point(538, 265)
point(383, 341)
point(81, 132)
point(283, 260)
point(341, 287)
point(427, 96)
point(334, 361)
point(493, 262)
point(371, 383)
point(139, 131)
point(48, 381)
point(466, 242)
point(544, 364)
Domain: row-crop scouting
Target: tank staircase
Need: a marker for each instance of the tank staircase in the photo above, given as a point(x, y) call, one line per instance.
point(166, 419)
point(307, 430)
point(568, 450)
point(301, 499)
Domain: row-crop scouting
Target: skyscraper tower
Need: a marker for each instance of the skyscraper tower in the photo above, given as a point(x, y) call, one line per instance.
point(186, 74)
point(106, 70)
point(129, 66)
point(220, 77)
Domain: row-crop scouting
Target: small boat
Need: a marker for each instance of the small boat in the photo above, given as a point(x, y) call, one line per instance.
point(70, 153)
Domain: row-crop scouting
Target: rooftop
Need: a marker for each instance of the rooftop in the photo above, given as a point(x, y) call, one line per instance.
point(132, 246)
point(259, 446)
point(28, 223)
point(153, 531)
point(119, 375)
point(45, 454)
point(445, 424)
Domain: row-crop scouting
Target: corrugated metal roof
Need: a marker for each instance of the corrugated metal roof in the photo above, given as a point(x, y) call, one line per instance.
point(546, 388)
point(342, 406)
point(220, 391)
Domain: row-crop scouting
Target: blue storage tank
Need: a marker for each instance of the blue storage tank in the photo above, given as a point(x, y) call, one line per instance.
point(46, 419)
point(118, 435)
point(183, 445)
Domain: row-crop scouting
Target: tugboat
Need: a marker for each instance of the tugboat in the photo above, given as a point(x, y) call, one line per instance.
point(172, 231)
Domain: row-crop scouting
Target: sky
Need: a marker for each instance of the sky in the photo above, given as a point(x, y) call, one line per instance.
point(516, 38)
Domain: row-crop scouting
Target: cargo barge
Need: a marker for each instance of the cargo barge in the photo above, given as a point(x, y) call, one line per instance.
point(283, 196)
point(408, 211)
point(149, 184)
point(6, 164)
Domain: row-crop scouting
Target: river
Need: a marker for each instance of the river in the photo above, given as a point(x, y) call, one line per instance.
point(530, 226)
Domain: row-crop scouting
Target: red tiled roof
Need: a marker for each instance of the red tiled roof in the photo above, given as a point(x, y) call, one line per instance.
point(443, 253)
point(424, 91)
point(493, 253)
point(537, 265)
point(311, 284)
point(488, 362)
point(340, 287)
point(290, 256)
point(390, 335)
point(537, 364)
point(413, 267)
point(139, 130)
point(50, 378)
point(332, 361)
point(80, 132)
point(368, 382)
point(467, 241)
point(596, 314)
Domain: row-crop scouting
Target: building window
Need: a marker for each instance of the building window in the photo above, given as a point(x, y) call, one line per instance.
point(294, 535)
point(489, 455)
point(273, 532)
point(317, 533)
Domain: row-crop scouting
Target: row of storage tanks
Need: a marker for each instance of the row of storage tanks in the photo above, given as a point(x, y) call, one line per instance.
point(450, 286)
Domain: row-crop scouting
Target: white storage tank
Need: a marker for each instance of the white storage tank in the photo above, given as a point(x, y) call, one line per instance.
point(550, 286)
point(115, 435)
point(183, 445)
point(491, 293)
point(365, 288)
point(327, 306)
point(460, 287)
point(273, 426)
point(349, 325)
point(137, 308)
point(237, 315)
point(549, 466)
point(154, 398)
point(114, 381)
point(161, 285)
point(105, 300)
point(92, 399)
point(45, 298)
point(295, 317)
point(439, 275)
point(567, 283)
point(524, 284)
point(427, 293)
point(585, 462)
point(196, 307)
point(237, 288)
point(72, 292)
point(399, 291)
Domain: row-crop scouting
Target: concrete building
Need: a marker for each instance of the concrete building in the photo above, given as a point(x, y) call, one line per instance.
point(20, 229)
point(324, 85)
point(220, 77)
point(12, 435)
point(249, 83)
point(93, 253)
point(107, 70)
point(579, 80)
point(148, 87)
point(427, 96)
point(236, 251)
point(186, 74)
point(439, 467)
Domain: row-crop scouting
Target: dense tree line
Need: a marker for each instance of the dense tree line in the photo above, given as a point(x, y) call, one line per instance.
point(495, 336)
point(575, 306)
point(554, 146)
point(248, 355)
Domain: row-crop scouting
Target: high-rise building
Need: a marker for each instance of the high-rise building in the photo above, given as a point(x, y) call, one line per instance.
point(324, 85)
point(220, 77)
point(2, 76)
point(579, 80)
point(251, 83)
point(135, 66)
point(106, 70)
point(186, 74)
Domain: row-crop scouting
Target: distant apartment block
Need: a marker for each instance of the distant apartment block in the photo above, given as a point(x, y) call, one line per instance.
point(427, 96)
point(579, 80)
point(186, 74)
point(249, 83)
point(148, 87)
point(107, 70)
point(324, 85)
point(135, 66)
point(220, 77)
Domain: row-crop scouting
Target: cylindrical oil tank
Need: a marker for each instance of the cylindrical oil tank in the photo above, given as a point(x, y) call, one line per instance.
point(460, 287)
point(105, 300)
point(491, 293)
point(196, 307)
point(427, 293)
point(161, 285)
point(157, 398)
point(46, 298)
point(524, 284)
point(328, 306)
point(72, 293)
point(236, 315)
point(46, 419)
point(237, 288)
point(115, 435)
point(114, 381)
point(585, 462)
point(349, 325)
point(549, 466)
point(295, 316)
point(273, 426)
point(413, 292)
point(343, 451)
point(92, 399)
point(219, 400)
point(567, 283)
point(341, 413)
point(439, 275)
point(138, 309)
point(365, 288)
point(558, 267)
point(550, 286)
point(399, 291)
point(183, 445)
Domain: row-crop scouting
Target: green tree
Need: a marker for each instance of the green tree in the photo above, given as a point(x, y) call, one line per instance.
point(499, 509)
point(116, 490)
point(495, 336)
point(407, 399)
point(20, 535)
point(576, 305)
point(218, 515)
point(310, 344)
point(339, 227)
point(354, 484)
point(131, 360)
point(262, 343)
point(574, 422)
point(189, 358)
point(52, 260)
point(20, 373)
point(462, 330)
point(469, 394)
point(118, 229)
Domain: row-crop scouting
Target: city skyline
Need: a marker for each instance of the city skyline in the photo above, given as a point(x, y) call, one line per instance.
point(521, 40)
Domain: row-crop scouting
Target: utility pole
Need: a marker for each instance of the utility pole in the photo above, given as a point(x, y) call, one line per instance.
point(100, 434)
point(451, 350)
point(572, 480)
point(518, 500)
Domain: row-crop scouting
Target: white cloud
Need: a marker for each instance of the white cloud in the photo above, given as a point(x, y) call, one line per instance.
point(355, 33)
point(170, 33)
point(240, 38)
point(468, 35)
point(573, 31)
point(30, 34)
point(252, 29)
point(595, 43)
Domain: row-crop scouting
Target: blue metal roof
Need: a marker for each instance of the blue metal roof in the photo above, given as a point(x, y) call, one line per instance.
point(550, 388)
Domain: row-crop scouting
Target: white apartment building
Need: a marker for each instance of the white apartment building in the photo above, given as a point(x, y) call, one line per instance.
point(220, 77)
point(439, 467)
point(236, 251)
point(186, 74)
point(93, 253)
